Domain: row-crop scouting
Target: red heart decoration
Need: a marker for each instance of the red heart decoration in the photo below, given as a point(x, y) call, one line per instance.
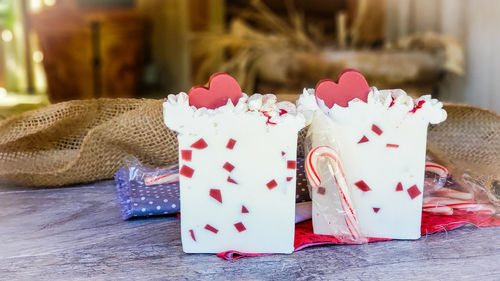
point(351, 84)
point(221, 87)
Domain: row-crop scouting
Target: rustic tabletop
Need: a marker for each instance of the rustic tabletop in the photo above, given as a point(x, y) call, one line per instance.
point(77, 233)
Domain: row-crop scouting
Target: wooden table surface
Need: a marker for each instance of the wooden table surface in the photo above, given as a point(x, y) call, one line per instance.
point(76, 233)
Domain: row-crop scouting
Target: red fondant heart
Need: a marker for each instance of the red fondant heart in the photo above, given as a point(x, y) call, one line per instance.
point(351, 84)
point(221, 87)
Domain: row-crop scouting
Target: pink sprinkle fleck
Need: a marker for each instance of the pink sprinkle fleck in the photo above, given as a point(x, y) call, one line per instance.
point(186, 171)
point(362, 186)
point(211, 228)
point(244, 209)
point(376, 209)
point(289, 178)
point(392, 145)
point(376, 130)
point(216, 194)
point(192, 235)
point(321, 190)
point(186, 154)
point(363, 139)
point(272, 184)
point(417, 106)
point(229, 179)
point(399, 187)
point(240, 227)
point(290, 164)
point(413, 191)
point(199, 144)
point(265, 113)
point(282, 153)
point(228, 167)
point(230, 144)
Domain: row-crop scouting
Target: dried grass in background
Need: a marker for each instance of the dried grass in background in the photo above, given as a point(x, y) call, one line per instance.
point(290, 53)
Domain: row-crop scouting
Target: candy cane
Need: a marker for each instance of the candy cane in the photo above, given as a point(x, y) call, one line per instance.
point(436, 169)
point(451, 193)
point(311, 162)
point(166, 178)
point(443, 210)
point(435, 204)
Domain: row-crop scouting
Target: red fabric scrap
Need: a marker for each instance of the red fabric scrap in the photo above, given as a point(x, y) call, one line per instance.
point(304, 236)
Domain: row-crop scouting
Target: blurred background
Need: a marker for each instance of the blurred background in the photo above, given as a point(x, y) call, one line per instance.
point(58, 50)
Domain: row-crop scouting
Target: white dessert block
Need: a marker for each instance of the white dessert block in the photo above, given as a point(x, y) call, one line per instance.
point(382, 145)
point(237, 175)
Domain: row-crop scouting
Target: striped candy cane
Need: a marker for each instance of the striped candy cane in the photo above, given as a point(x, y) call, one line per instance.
point(436, 169)
point(433, 204)
point(311, 171)
point(165, 178)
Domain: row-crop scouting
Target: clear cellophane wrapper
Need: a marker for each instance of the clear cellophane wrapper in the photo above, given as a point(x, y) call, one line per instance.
point(451, 187)
point(330, 205)
point(468, 145)
point(448, 193)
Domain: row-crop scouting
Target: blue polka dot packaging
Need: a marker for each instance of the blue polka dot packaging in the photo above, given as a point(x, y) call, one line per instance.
point(145, 191)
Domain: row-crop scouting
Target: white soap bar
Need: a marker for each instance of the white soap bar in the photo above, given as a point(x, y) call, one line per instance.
point(237, 174)
point(382, 145)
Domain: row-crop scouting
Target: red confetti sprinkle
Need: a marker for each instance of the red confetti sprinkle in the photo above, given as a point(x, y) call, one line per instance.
point(290, 164)
point(392, 102)
point(282, 153)
point(199, 144)
point(186, 171)
point(230, 144)
point(211, 228)
point(363, 139)
point(376, 209)
point(376, 130)
point(289, 178)
point(321, 190)
point(272, 184)
point(282, 111)
point(192, 234)
point(363, 186)
point(227, 166)
point(244, 209)
point(417, 106)
point(399, 187)
point(215, 193)
point(229, 179)
point(240, 227)
point(392, 145)
point(268, 118)
point(413, 191)
point(186, 155)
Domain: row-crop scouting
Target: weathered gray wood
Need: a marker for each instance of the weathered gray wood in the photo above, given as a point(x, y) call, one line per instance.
point(76, 233)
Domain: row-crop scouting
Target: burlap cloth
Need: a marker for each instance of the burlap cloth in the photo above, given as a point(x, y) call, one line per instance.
point(88, 140)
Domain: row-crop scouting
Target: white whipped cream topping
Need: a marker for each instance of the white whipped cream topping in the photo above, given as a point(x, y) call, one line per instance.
point(398, 104)
point(256, 109)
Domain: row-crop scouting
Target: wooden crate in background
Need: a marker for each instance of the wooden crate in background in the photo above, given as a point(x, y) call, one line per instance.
point(91, 53)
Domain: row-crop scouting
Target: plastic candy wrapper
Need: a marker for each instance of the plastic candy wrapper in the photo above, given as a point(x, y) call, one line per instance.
point(468, 144)
point(444, 195)
point(333, 211)
point(146, 191)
